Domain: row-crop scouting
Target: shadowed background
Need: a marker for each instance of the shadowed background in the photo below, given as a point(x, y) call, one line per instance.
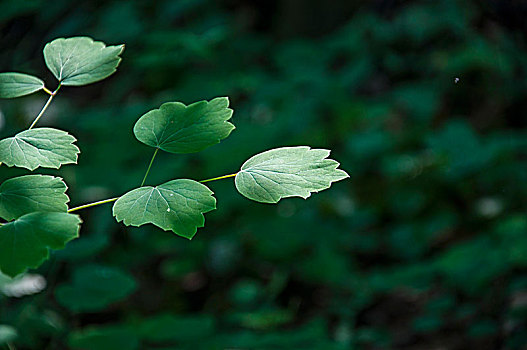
point(425, 247)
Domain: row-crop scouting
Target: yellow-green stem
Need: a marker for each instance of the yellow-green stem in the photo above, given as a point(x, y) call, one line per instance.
point(149, 166)
point(93, 204)
point(219, 178)
point(51, 95)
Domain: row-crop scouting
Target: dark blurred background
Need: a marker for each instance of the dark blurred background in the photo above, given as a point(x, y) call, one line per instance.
point(422, 102)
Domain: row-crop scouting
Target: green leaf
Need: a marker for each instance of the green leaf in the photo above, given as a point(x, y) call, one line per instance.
point(39, 147)
point(177, 205)
point(95, 287)
point(80, 60)
point(18, 84)
point(177, 128)
point(287, 172)
point(25, 194)
point(25, 242)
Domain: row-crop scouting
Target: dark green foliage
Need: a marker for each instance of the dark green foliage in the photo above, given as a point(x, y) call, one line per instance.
point(425, 248)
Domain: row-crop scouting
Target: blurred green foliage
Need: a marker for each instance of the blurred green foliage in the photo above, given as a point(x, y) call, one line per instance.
point(425, 247)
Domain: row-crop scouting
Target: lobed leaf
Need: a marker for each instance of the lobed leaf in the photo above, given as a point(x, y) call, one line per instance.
point(39, 147)
point(94, 287)
point(25, 242)
point(177, 128)
point(81, 60)
point(287, 172)
point(26, 194)
point(177, 205)
point(18, 84)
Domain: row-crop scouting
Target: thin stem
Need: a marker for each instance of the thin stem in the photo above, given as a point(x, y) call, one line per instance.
point(48, 91)
point(51, 95)
point(93, 204)
point(149, 166)
point(219, 178)
point(11, 346)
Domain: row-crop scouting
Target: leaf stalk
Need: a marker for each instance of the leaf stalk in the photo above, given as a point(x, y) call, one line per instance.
point(149, 166)
point(51, 95)
point(219, 178)
point(89, 205)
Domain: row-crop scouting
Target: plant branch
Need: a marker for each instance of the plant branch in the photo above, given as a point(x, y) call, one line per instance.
point(89, 205)
point(219, 178)
point(149, 166)
point(51, 95)
point(48, 91)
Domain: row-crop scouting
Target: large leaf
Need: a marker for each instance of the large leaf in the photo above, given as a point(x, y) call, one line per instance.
point(25, 194)
point(177, 205)
point(80, 60)
point(287, 172)
point(18, 84)
point(39, 147)
point(95, 287)
point(177, 128)
point(25, 242)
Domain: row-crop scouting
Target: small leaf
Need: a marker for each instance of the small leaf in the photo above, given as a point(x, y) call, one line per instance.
point(80, 60)
point(177, 128)
point(25, 194)
point(25, 242)
point(95, 287)
point(39, 147)
point(287, 172)
point(177, 205)
point(18, 84)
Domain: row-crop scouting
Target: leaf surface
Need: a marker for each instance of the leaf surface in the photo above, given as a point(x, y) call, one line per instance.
point(39, 147)
point(177, 205)
point(25, 194)
point(177, 128)
point(25, 242)
point(287, 172)
point(81, 60)
point(18, 84)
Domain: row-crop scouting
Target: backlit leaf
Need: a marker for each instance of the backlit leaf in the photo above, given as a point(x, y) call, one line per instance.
point(287, 172)
point(25, 242)
point(25, 194)
point(18, 84)
point(177, 128)
point(39, 147)
point(80, 60)
point(177, 205)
